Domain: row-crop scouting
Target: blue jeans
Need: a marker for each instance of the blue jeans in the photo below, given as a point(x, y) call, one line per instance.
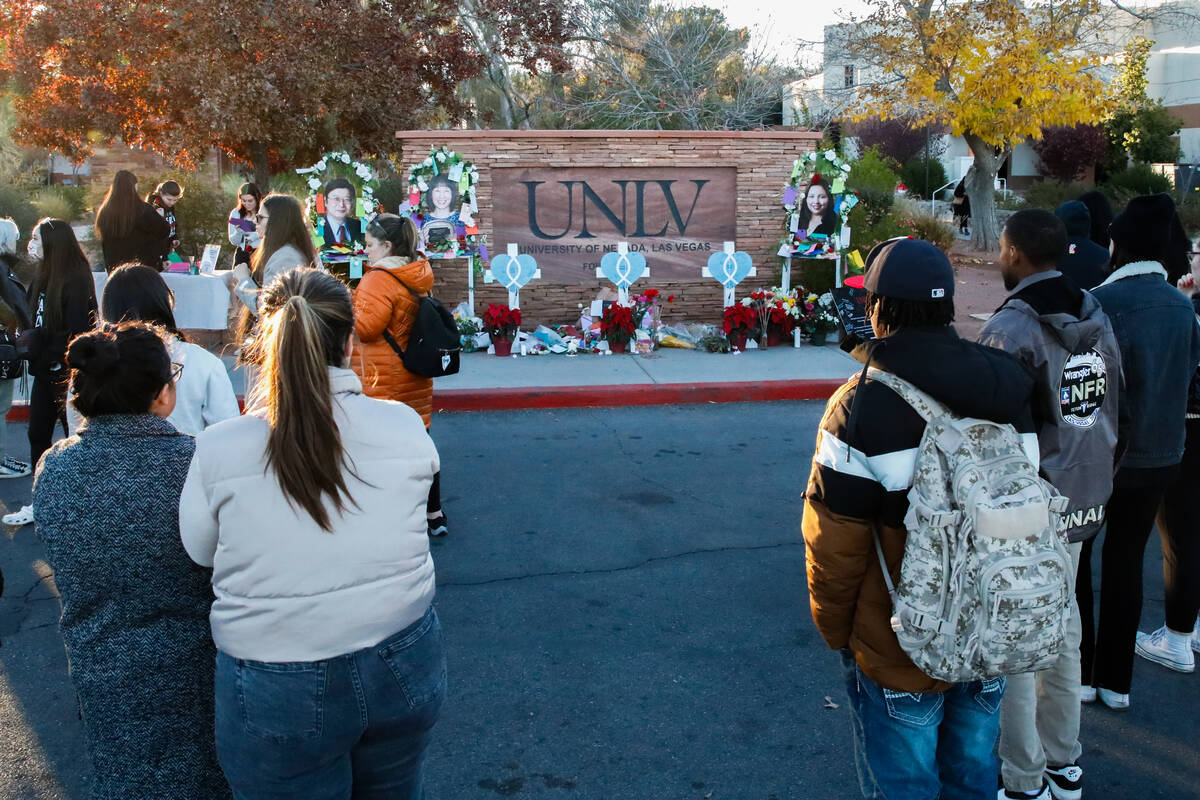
point(352, 726)
point(924, 746)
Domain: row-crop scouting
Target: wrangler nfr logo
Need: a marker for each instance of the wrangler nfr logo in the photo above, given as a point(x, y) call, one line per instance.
point(1083, 388)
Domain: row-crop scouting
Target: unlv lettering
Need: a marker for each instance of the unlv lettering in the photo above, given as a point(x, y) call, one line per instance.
point(590, 199)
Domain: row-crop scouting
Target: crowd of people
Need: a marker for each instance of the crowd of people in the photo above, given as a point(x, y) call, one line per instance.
point(1092, 358)
point(290, 608)
point(324, 679)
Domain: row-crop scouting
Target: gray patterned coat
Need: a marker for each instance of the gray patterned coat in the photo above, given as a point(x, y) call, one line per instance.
point(134, 607)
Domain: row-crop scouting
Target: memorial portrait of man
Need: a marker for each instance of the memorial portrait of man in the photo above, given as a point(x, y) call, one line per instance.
point(339, 225)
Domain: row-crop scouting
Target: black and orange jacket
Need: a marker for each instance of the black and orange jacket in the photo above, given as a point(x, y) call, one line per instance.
point(862, 470)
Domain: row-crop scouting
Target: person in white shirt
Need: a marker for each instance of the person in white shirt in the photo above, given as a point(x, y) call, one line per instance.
point(310, 510)
point(204, 392)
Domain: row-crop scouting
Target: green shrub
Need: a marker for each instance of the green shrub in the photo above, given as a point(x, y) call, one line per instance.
point(1011, 202)
point(1189, 215)
point(61, 202)
point(1049, 195)
point(925, 226)
point(16, 203)
point(912, 174)
point(391, 193)
point(1132, 181)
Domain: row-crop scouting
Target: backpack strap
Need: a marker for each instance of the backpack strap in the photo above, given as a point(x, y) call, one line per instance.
point(922, 403)
point(387, 335)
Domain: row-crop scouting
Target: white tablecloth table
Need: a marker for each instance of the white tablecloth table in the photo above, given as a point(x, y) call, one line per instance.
point(201, 301)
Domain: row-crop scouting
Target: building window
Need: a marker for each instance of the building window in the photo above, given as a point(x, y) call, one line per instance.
point(849, 75)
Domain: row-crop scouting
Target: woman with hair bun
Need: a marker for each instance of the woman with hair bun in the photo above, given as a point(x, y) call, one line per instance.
point(310, 509)
point(386, 301)
point(134, 607)
point(204, 393)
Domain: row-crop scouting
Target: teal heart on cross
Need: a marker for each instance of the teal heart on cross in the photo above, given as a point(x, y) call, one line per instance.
point(623, 268)
point(730, 268)
point(513, 272)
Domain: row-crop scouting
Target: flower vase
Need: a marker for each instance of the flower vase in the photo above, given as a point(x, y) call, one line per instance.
point(618, 347)
point(503, 346)
point(817, 338)
point(773, 337)
point(737, 339)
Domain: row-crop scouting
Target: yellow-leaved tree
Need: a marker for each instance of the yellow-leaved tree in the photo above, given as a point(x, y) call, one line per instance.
point(995, 71)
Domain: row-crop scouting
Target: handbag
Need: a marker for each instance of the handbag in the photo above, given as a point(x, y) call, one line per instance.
point(12, 365)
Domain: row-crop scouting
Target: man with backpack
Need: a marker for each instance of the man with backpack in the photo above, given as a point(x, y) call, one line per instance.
point(1066, 341)
point(915, 735)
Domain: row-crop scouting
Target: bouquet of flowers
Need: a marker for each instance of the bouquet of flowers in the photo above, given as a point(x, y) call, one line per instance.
point(617, 326)
point(501, 322)
point(785, 313)
point(825, 319)
point(645, 309)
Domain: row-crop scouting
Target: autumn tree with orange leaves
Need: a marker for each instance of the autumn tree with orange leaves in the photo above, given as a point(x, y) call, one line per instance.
point(265, 82)
point(997, 72)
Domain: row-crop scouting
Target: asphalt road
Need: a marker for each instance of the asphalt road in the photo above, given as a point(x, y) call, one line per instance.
point(624, 603)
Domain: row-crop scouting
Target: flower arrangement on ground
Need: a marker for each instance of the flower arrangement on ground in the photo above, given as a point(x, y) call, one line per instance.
point(646, 314)
point(617, 327)
point(501, 322)
point(785, 314)
point(739, 322)
point(823, 320)
point(468, 329)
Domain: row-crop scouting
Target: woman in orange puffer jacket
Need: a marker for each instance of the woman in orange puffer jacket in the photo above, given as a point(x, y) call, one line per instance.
point(381, 302)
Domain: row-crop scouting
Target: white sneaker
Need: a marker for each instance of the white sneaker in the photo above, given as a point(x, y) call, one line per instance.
point(1196, 636)
point(10, 470)
point(1114, 700)
point(1087, 694)
point(19, 518)
point(1167, 648)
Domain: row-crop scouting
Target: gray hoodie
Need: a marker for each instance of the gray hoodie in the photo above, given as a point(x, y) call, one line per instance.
point(1067, 343)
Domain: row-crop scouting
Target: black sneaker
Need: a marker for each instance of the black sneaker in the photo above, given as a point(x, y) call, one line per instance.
point(437, 526)
point(1066, 782)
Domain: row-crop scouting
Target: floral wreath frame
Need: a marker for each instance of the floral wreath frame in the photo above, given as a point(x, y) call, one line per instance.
point(368, 183)
point(444, 161)
point(832, 167)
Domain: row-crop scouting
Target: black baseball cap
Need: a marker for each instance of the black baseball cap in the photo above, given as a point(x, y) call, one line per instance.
point(909, 269)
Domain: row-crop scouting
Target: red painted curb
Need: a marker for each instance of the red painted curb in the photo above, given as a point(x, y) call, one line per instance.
point(638, 394)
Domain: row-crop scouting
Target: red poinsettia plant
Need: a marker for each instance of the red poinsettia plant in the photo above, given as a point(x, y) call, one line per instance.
point(616, 326)
point(739, 318)
point(501, 322)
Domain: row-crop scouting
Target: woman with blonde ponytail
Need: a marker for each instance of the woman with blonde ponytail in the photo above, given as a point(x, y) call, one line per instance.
point(310, 510)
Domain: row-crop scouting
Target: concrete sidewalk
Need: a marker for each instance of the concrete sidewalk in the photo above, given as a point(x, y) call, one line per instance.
point(666, 376)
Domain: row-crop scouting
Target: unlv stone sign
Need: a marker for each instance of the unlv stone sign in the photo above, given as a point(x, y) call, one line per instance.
point(568, 218)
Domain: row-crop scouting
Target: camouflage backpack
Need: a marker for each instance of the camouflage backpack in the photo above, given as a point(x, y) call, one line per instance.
point(986, 579)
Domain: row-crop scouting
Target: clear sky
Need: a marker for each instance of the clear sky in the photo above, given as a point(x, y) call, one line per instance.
point(793, 28)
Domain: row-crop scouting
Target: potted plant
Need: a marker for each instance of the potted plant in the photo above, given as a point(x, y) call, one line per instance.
point(824, 321)
point(739, 322)
point(501, 323)
point(468, 329)
point(616, 327)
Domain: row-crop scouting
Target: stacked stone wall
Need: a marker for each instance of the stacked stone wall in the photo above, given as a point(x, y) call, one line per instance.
point(763, 160)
